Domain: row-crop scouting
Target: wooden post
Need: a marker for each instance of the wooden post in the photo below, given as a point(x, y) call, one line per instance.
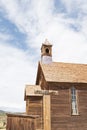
point(46, 112)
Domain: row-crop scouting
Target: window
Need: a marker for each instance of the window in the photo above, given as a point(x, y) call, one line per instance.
point(74, 101)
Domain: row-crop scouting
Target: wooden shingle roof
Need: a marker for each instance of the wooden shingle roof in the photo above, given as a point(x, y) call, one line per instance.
point(64, 72)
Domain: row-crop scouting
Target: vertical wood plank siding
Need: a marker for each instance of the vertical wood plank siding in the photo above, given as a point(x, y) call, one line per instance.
point(21, 122)
point(46, 112)
point(34, 106)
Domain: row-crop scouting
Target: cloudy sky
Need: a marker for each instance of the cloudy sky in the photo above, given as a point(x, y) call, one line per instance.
point(24, 26)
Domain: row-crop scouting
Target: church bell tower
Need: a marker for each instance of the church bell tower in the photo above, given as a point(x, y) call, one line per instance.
point(46, 52)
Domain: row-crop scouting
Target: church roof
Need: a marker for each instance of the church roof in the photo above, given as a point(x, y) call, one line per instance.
point(64, 72)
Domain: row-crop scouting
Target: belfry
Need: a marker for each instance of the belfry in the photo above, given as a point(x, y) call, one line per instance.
point(46, 52)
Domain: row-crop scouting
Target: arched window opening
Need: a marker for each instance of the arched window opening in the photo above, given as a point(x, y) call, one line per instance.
point(47, 50)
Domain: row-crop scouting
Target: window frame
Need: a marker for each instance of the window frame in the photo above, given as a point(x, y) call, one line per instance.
point(74, 101)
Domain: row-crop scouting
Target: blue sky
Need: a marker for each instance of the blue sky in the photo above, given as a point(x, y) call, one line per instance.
point(17, 38)
point(24, 26)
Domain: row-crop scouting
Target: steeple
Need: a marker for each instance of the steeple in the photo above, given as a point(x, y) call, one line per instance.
point(46, 52)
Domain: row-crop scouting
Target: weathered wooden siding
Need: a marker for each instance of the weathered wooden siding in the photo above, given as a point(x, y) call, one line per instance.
point(82, 102)
point(61, 118)
point(60, 109)
point(34, 106)
point(46, 112)
point(21, 122)
point(40, 80)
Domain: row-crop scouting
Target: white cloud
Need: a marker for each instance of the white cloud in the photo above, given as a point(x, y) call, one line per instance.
point(15, 71)
point(75, 5)
point(72, 51)
point(38, 19)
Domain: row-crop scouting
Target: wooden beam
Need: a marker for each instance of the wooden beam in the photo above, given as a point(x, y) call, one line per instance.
point(47, 112)
point(46, 92)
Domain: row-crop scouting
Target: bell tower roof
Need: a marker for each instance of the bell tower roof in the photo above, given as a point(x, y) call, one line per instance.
point(46, 43)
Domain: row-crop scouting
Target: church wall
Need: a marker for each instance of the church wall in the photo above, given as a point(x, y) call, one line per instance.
point(34, 107)
point(42, 82)
point(82, 102)
point(60, 109)
point(61, 117)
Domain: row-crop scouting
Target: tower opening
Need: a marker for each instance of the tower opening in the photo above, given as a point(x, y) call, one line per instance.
point(47, 50)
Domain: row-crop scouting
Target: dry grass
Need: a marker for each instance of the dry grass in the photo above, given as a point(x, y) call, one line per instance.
point(3, 121)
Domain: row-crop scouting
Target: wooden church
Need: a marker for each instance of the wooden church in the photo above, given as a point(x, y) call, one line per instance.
point(58, 100)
